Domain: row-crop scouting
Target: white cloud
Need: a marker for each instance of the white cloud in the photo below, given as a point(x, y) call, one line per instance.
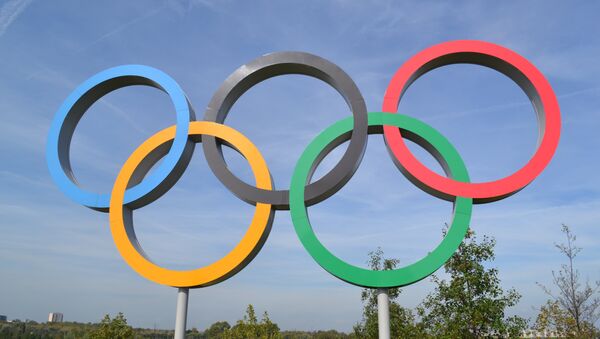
point(10, 11)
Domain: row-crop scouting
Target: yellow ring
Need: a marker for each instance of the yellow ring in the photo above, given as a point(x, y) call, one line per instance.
point(233, 261)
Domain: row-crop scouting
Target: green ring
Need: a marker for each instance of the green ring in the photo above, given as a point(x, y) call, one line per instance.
point(360, 276)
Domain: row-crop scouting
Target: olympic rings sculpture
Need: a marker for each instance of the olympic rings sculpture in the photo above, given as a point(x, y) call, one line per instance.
point(135, 188)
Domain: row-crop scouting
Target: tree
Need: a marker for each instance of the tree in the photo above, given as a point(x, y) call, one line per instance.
point(217, 330)
point(402, 320)
point(472, 304)
point(268, 328)
point(554, 321)
point(575, 310)
point(115, 328)
point(250, 327)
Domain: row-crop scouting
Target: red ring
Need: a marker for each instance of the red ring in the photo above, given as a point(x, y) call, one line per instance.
point(497, 57)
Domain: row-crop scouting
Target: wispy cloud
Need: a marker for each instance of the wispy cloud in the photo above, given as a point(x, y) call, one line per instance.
point(10, 11)
point(510, 105)
point(123, 27)
point(184, 7)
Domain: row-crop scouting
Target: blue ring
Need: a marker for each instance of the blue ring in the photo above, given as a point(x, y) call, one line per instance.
point(74, 107)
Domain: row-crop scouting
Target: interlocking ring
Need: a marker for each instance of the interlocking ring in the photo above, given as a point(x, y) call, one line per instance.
point(140, 162)
point(132, 189)
point(269, 66)
point(416, 131)
point(81, 99)
point(505, 61)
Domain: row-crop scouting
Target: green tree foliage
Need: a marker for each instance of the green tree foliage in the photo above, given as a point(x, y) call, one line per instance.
point(471, 304)
point(250, 327)
point(331, 334)
point(402, 320)
point(115, 328)
point(217, 330)
point(30, 329)
point(554, 321)
point(575, 309)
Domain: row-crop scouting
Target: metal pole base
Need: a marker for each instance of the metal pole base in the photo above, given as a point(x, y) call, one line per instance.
point(181, 315)
point(383, 313)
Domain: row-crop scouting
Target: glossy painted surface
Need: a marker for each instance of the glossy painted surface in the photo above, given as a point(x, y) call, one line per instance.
point(505, 61)
point(81, 99)
point(121, 219)
point(416, 131)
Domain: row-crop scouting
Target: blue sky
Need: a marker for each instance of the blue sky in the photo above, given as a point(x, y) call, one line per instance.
point(58, 256)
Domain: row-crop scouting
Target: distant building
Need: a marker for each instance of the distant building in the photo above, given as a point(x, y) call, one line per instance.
point(55, 318)
point(2, 318)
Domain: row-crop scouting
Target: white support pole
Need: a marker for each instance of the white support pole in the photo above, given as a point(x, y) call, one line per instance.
point(383, 313)
point(181, 315)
